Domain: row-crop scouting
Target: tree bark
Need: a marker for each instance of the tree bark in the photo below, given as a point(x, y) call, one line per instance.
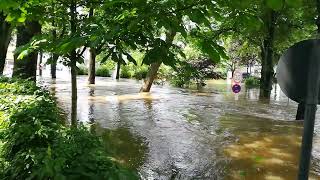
point(53, 65)
point(73, 65)
point(154, 67)
point(55, 57)
point(74, 90)
point(92, 61)
point(118, 70)
point(152, 74)
point(267, 54)
point(40, 63)
point(26, 68)
point(92, 67)
point(5, 37)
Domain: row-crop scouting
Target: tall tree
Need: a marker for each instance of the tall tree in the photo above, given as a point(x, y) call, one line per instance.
point(5, 36)
point(26, 66)
point(267, 53)
point(154, 67)
point(170, 17)
point(93, 54)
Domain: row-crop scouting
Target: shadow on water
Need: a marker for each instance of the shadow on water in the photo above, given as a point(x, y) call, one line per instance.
point(126, 148)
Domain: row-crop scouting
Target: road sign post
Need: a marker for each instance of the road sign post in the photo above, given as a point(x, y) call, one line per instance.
point(298, 75)
point(306, 146)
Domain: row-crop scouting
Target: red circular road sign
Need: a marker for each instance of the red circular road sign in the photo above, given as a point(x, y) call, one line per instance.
point(237, 77)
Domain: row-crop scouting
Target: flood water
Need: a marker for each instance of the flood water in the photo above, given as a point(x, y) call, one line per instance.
point(174, 133)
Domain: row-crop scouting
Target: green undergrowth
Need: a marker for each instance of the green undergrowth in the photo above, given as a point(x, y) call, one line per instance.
point(35, 144)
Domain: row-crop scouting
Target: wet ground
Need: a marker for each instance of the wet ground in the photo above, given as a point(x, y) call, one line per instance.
point(174, 133)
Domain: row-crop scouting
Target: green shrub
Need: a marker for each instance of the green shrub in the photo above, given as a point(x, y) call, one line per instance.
point(82, 70)
point(140, 73)
point(125, 72)
point(252, 82)
point(35, 144)
point(185, 75)
point(103, 71)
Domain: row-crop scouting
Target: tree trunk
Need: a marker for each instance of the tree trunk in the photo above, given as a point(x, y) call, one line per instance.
point(92, 66)
point(118, 70)
point(152, 74)
point(53, 65)
point(92, 62)
point(232, 72)
point(40, 63)
point(267, 54)
point(54, 57)
point(5, 37)
point(73, 65)
point(154, 67)
point(26, 67)
point(74, 90)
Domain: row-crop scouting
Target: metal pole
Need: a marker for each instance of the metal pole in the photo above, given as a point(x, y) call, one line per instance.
point(306, 147)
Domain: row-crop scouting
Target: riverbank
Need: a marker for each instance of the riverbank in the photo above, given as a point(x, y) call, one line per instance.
point(36, 144)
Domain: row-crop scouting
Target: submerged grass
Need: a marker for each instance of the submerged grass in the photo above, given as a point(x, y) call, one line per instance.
point(34, 143)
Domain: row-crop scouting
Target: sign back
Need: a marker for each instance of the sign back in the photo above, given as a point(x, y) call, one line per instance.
point(294, 70)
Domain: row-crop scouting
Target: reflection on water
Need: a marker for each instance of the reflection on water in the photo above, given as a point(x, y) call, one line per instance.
point(174, 133)
point(263, 149)
point(123, 146)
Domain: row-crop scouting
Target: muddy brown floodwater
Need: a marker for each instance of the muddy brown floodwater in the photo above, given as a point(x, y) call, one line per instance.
point(174, 133)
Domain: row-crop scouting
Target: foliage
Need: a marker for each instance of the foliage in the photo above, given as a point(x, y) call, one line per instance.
point(252, 82)
point(37, 146)
point(184, 75)
point(82, 70)
point(125, 72)
point(140, 72)
point(103, 71)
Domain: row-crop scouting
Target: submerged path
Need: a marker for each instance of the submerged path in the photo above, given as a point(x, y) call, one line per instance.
point(174, 133)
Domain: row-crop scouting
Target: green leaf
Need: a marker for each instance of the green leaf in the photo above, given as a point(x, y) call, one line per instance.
point(275, 4)
point(105, 58)
point(24, 53)
point(131, 59)
point(294, 3)
point(211, 51)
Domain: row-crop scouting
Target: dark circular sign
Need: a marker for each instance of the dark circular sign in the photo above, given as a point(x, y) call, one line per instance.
point(297, 69)
point(236, 88)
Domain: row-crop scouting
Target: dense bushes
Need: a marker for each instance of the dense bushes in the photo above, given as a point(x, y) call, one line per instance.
point(185, 75)
point(36, 145)
point(82, 70)
point(140, 72)
point(252, 82)
point(103, 71)
point(125, 72)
